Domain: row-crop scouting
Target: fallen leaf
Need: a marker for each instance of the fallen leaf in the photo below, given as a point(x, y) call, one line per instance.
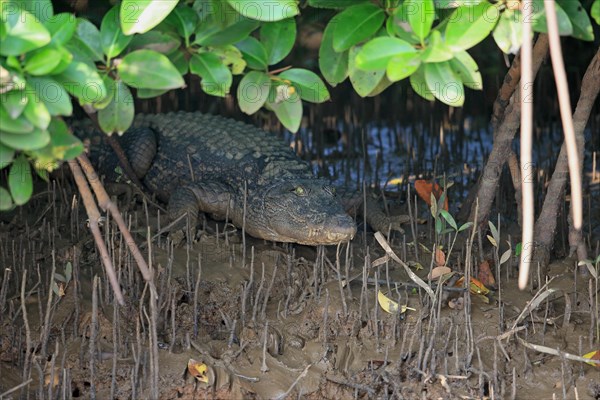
point(396, 181)
point(485, 275)
point(440, 257)
point(594, 355)
point(475, 286)
point(389, 305)
point(425, 188)
point(437, 272)
point(198, 370)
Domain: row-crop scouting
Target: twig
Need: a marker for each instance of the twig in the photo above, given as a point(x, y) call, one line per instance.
point(28, 346)
point(94, 217)
point(106, 204)
point(555, 352)
point(542, 294)
point(528, 203)
point(384, 244)
point(564, 101)
point(302, 375)
point(14, 389)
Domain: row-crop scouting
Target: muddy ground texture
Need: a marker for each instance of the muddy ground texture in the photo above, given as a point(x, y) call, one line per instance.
point(274, 321)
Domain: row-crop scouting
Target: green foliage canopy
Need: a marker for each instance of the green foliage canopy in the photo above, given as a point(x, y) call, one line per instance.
point(47, 60)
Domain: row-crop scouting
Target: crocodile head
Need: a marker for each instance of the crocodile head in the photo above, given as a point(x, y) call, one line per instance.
point(304, 211)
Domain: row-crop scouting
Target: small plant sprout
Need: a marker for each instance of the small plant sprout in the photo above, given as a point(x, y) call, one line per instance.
point(494, 239)
point(443, 217)
point(61, 281)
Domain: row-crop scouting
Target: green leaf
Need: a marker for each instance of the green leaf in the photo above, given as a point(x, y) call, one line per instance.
point(467, 70)
point(150, 93)
point(65, 59)
point(42, 61)
point(14, 102)
point(213, 33)
point(180, 62)
point(364, 82)
point(42, 9)
point(582, 26)
point(419, 85)
point(35, 139)
point(65, 145)
point(118, 115)
point(376, 53)
point(436, 49)
point(20, 182)
point(518, 249)
point(231, 57)
point(288, 110)
point(35, 110)
point(83, 82)
point(540, 24)
point(494, 231)
point(7, 154)
point(310, 87)
point(216, 78)
point(23, 31)
point(52, 93)
point(185, 20)
point(395, 25)
point(445, 85)
point(112, 38)
point(446, 215)
point(147, 69)
point(469, 25)
point(161, 42)
point(139, 16)
point(254, 53)
point(455, 3)
point(438, 226)
point(266, 10)
point(420, 16)
point(5, 200)
point(333, 65)
point(356, 24)
point(335, 4)
point(253, 91)
point(509, 31)
point(595, 11)
point(278, 38)
point(17, 125)
point(464, 226)
point(403, 66)
point(88, 40)
point(61, 27)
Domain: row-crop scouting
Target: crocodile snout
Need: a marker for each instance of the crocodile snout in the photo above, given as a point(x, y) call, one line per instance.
point(342, 228)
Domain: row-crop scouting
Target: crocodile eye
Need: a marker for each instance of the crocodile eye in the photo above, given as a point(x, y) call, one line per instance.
point(330, 190)
point(300, 191)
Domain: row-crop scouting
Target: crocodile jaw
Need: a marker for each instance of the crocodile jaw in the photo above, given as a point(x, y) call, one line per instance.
point(315, 217)
point(338, 230)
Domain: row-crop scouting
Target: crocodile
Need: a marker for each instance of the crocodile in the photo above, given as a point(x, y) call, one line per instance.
point(198, 162)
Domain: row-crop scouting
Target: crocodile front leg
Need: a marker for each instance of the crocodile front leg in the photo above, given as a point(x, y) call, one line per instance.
point(380, 221)
point(209, 197)
point(376, 217)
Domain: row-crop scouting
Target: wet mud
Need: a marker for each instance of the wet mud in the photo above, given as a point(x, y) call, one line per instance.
point(272, 321)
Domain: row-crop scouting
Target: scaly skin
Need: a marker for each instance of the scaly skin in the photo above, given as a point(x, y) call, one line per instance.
point(204, 163)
